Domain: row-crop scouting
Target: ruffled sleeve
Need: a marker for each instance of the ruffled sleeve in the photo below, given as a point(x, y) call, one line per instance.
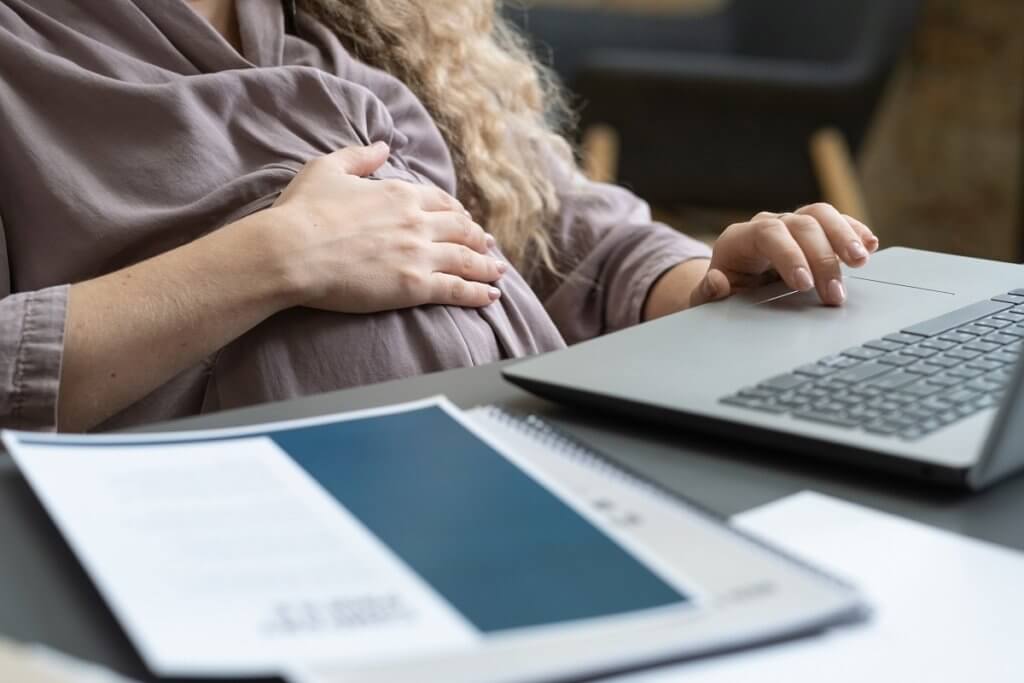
point(610, 253)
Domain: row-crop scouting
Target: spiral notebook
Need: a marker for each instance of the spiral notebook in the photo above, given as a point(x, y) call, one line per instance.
point(376, 545)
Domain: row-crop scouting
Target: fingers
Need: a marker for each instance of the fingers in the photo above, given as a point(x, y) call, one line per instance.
point(457, 228)
point(773, 240)
point(845, 240)
point(360, 161)
point(455, 259)
point(824, 263)
point(451, 290)
point(866, 236)
point(714, 286)
point(432, 198)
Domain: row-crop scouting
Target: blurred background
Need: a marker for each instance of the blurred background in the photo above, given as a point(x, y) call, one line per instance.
point(907, 113)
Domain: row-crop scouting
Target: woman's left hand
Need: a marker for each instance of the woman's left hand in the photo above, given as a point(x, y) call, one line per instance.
point(806, 248)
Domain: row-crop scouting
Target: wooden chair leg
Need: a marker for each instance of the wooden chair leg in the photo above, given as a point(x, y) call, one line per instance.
point(836, 173)
point(600, 149)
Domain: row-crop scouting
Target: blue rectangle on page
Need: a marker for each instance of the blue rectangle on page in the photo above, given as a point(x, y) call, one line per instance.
point(499, 547)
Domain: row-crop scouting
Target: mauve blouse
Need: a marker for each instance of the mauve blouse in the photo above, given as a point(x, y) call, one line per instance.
point(131, 127)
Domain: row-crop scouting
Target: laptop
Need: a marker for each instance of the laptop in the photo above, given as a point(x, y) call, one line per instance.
point(916, 374)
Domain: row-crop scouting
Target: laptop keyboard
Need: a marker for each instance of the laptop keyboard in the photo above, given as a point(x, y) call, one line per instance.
point(908, 384)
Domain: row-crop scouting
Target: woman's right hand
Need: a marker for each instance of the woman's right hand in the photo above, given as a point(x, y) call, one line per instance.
point(356, 245)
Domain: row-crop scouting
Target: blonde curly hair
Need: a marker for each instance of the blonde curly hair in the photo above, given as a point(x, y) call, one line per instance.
point(500, 112)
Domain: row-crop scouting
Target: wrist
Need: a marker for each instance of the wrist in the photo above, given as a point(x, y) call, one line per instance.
point(267, 252)
point(671, 292)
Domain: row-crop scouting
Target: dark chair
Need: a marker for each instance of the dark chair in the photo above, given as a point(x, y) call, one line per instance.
point(721, 110)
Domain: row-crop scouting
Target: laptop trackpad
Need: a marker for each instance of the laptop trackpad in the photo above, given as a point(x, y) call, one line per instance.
point(861, 293)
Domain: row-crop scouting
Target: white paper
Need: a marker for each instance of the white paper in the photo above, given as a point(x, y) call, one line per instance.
point(947, 608)
point(257, 565)
point(39, 664)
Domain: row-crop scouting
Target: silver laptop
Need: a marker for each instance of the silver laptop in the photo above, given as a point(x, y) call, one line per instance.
point(916, 374)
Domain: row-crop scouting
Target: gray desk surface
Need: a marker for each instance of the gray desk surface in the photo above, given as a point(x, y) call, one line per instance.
point(45, 596)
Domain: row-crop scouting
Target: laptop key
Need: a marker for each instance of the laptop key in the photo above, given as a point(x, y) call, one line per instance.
point(834, 419)
point(898, 359)
point(1002, 356)
point(793, 400)
point(945, 380)
point(944, 361)
point(965, 372)
point(1009, 299)
point(912, 434)
point(919, 351)
point(1016, 292)
point(954, 319)
point(935, 404)
point(815, 370)
point(784, 382)
point(921, 389)
point(839, 361)
point(882, 428)
point(904, 338)
point(919, 413)
point(924, 369)
point(975, 330)
point(938, 344)
point(884, 345)
point(994, 323)
point(957, 337)
point(980, 345)
point(752, 392)
point(962, 353)
point(984, 364)
point(987, 401)
point(862, 372)
point(863, 353)
point(960, 396)
point(1011, 316)
point(965, 409)
point(893, 380)
point(983, 385)
point(1000, 338)
point(754, 404)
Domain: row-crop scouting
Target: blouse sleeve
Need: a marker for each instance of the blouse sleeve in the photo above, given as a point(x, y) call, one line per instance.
point(31, 348)
point(609, 254)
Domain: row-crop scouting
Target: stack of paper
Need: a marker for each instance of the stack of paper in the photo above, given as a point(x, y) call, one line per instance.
point(37, 664)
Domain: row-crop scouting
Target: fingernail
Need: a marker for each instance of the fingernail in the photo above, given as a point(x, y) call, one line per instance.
point(802, 278)
point(501, 266)
point(379, 144)
point(857, 251)
point(710, 290)
point(489, 238)
point(836, 292)
point(494, 293)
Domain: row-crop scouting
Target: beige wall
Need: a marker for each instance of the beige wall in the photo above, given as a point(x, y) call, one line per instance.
point(942, 169)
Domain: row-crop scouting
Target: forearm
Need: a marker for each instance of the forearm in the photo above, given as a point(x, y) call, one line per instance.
point(129, 332)
point(671, 292)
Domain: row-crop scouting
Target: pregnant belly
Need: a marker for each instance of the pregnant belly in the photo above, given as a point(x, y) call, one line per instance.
point(304, 351)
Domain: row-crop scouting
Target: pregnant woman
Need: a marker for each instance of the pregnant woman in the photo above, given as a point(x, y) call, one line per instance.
point(212, 203)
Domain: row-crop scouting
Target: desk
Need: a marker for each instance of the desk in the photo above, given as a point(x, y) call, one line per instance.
point(45, 596)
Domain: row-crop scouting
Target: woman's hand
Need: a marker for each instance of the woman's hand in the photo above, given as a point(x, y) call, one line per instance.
point(355, 245)
point(806, 249)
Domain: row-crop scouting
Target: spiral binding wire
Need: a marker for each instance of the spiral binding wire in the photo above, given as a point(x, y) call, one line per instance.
point(579, 452)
